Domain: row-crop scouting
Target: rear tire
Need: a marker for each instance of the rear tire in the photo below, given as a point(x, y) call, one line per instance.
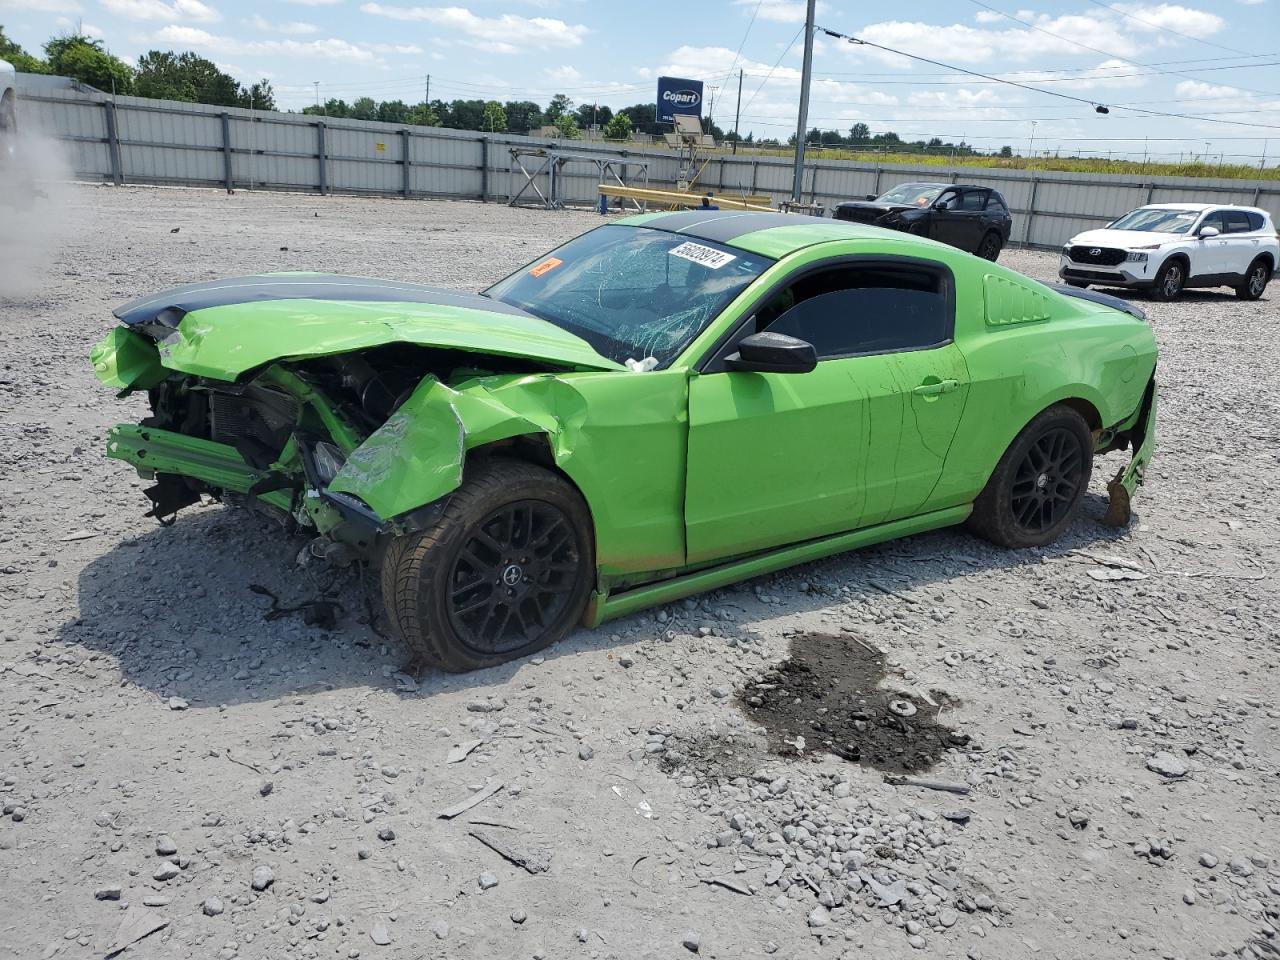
point(506, 571)
point(1169, 281)
point(1035, 490)
point(989, 248)
point(1255, 281)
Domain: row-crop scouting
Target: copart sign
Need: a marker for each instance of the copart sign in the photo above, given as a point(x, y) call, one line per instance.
point(676, 95)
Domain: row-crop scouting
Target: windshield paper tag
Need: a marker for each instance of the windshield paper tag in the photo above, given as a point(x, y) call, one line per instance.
point(546, 266)
point(707, 256)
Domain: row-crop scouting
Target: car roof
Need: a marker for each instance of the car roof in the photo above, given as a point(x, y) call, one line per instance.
point(1200, 207)
point(771, 234)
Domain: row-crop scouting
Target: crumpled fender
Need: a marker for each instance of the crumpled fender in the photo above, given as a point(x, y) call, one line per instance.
point(127, 360)
point(417, 456)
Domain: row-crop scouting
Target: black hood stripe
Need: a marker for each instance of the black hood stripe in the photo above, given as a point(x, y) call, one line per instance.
point(267, 287)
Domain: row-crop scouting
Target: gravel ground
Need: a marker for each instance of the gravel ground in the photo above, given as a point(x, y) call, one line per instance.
point(180, 773)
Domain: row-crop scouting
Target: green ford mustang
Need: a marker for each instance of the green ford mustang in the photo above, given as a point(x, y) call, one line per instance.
point(663, 405)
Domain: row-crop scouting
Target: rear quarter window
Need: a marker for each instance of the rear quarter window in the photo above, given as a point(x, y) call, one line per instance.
point(1009, 302)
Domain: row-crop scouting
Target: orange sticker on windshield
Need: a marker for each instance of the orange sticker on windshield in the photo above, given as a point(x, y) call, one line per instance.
point(546, 266)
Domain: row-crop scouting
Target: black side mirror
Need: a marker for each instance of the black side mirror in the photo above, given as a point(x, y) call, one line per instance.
point(773, 353)
point(871, 196)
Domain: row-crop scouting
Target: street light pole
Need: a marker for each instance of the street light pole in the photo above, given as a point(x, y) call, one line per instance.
point(802, 122)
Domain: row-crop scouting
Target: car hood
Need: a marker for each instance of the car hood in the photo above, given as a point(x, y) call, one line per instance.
point(874, 207)
point(1123, 238)
point(224, 328)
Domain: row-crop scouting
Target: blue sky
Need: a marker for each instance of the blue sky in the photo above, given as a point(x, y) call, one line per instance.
point(1213, 59)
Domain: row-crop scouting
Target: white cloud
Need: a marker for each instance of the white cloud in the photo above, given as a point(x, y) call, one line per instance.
point(293, 27)
point(780, 11)
point(1198, 90)
point(404, 49)
point(41, 6)
point(527, 32)
point(1253, 3)
point(1195, 23)
point(1110, 74)
point(192, 10)
point(330, 49)
point(961, 43)
point(314, 3)
point(563, 74)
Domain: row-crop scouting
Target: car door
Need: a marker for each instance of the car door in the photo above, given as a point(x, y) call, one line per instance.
point(960, 223)
point(1209, 256)
point(776, 458)
point(1241, 242)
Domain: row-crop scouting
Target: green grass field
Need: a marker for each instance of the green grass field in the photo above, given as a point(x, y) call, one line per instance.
point(1066, 164)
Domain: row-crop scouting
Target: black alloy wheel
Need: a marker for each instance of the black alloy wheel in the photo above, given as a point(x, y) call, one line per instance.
point(989, 249)
point(1047, 481)
point(513, 578)
point(1036, 489)
point(506, 570)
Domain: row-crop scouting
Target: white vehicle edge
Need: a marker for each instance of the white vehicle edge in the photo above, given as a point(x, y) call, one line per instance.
point(8, 110)
point(1243, 256)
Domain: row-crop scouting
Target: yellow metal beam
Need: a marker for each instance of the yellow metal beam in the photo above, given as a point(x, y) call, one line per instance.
point(686, 198)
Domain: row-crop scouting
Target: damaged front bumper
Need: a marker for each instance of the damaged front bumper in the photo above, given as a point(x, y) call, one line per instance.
point(184, 467)
point(1142, 440)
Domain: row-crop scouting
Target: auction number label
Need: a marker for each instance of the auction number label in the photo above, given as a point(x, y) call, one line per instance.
point(707, 256)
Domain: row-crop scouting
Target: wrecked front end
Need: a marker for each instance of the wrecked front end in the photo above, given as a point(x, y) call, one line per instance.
point(350, 421)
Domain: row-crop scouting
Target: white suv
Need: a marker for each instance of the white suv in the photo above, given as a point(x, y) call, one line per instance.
point(1167, 247)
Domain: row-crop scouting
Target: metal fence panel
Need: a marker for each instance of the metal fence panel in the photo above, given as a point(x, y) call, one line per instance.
point(128, 139)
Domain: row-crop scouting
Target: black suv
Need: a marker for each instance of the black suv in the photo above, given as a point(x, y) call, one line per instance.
point(963, 215)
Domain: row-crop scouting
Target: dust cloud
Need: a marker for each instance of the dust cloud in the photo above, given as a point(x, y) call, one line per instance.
point(36, 215)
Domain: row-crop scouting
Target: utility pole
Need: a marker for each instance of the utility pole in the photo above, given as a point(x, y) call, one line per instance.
point(737, 113)
point(317, 83)
point(1262, 164)
point(802, 122)
point(1031, 155)
point(427, 99)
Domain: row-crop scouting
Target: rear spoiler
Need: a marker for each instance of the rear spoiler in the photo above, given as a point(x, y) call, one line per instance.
point(1115, 303)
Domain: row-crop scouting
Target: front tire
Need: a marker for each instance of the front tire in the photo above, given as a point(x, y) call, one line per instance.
point(1036, 488)
point(989, 248)
point(1169, 281)
point(506, 571)
point(1256, 280)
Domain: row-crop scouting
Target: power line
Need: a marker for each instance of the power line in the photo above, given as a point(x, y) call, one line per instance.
point(1072, 79)
point(769, 75)
point(1098, 107)
point(750, 23)
point(1184, 36)
point(857, 41)
point(1085, 46)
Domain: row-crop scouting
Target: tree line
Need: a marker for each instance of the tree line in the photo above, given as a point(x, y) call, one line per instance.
point(164, 75)
point(167, 75)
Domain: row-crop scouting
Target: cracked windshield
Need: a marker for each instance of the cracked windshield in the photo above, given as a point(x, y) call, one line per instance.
point(638, 295)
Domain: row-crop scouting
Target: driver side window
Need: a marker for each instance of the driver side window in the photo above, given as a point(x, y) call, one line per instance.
point(1214, 220)
point(949, 201)
point(860, 309)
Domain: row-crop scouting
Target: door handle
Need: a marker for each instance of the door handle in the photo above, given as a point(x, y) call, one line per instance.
point(936, 388)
